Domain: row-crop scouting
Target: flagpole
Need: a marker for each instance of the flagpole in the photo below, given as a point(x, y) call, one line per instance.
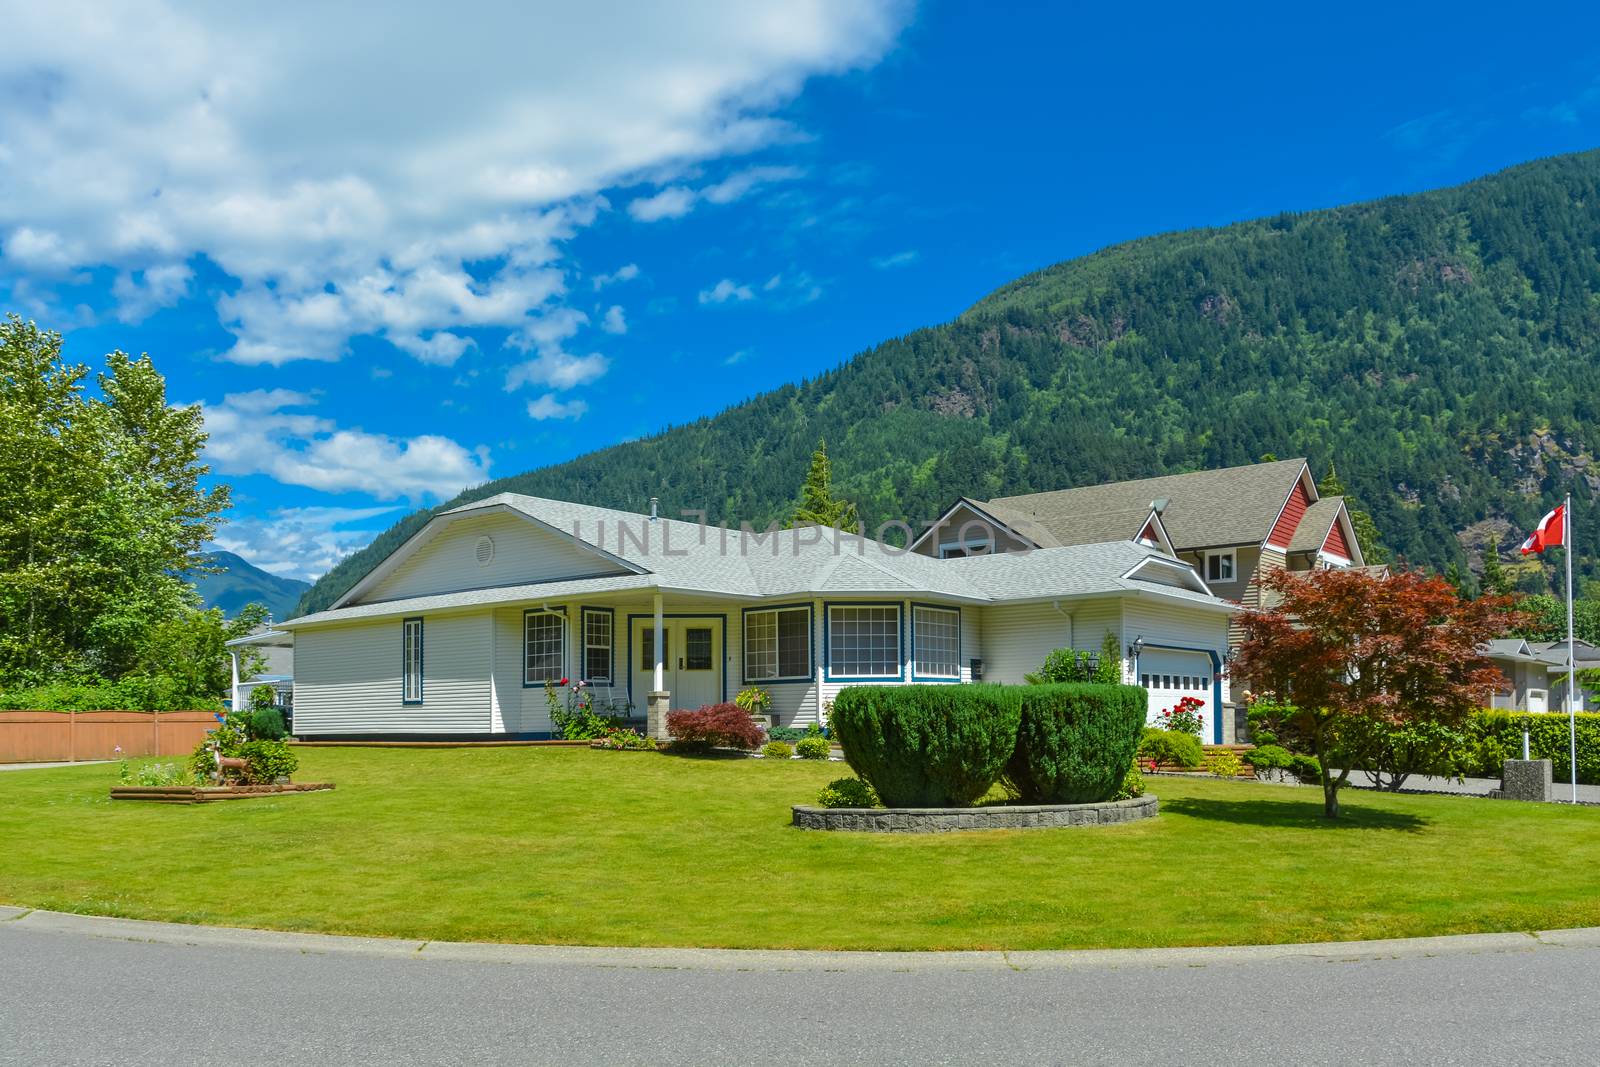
point(1572, 662)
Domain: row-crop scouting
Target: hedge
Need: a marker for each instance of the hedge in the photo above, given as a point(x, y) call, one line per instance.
point(1076, 741)
point(1498, 737)
point(928, 746)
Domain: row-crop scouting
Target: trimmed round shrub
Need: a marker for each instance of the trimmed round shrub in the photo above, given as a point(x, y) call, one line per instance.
point(1076, 741)
point(816, 747)
point(928, 746)
point(777, 750)
point(714, 726)
point(266, 724)
point(847, 793)
point(1171, 748)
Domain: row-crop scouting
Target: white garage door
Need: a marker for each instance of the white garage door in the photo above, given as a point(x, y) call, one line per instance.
point(1170, 676)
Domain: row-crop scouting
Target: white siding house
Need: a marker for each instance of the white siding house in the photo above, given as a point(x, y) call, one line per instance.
point(457, 632)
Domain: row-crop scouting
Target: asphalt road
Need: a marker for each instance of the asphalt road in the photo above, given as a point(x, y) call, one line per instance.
point(73, 992)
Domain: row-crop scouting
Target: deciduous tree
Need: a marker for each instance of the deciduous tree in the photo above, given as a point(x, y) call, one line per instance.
point(1345, 645)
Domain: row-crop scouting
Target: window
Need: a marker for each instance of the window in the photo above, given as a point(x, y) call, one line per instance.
point(1219, 567)
point(411, 661)
point(597, 645)
point(647, 647)
point(864, 642)
point(697, 648)
point(936, 643)
point(960, 549)
point(777, 644)
point(544, 647)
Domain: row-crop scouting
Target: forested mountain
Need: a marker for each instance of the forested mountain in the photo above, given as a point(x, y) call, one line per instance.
point(239, 582)
point(1440, 347)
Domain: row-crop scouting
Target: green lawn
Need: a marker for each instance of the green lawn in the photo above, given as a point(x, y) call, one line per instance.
point(578, 847)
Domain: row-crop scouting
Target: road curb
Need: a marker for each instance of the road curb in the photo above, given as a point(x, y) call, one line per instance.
point(164, 933)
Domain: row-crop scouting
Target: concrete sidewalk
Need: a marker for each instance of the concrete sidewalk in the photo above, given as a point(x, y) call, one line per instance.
point(47, 766)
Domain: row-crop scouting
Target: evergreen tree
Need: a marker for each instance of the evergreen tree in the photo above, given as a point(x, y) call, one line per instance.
point(818, 505)
point(1496, 582)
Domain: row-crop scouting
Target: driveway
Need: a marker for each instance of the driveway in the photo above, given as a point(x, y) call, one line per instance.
point(104, 992)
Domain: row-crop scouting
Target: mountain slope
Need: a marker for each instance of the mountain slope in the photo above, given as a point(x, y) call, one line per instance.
point(1441, 347)
point(241, 582)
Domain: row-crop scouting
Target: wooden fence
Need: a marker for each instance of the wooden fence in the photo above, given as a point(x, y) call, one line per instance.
point(65, 736)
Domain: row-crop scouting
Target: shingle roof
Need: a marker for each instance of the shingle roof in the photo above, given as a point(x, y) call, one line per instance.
point(686, 557)
point(1232, 506)
point(1319, 518)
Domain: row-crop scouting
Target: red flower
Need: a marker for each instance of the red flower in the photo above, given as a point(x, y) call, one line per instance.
point(563, 682)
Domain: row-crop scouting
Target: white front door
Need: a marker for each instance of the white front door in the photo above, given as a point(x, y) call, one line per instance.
point(1169, 676)
point(1539, 700)
point(692, 661)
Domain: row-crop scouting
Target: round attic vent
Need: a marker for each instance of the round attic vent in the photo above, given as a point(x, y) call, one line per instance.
point(485, 551)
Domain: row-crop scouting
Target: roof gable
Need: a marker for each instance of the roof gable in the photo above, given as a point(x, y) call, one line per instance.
point(1204, 509)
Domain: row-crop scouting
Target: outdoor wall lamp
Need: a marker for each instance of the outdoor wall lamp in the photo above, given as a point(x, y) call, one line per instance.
point(1136, 648)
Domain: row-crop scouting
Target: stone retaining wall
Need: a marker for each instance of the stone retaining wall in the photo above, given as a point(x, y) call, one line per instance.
point(998, 817)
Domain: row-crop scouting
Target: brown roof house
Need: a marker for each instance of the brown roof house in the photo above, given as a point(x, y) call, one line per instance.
point(1234, 526)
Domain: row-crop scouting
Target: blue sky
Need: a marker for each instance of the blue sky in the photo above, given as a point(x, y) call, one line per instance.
point(395, 258)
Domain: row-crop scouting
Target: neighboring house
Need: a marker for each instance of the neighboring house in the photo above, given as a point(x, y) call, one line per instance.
point(276, 648)
point(1235, 526)
point(1536, 673)
point(458, 630)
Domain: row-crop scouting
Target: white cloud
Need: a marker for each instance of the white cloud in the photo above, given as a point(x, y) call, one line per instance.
point(140, 293)
point(725, 290)
point(737, 358)
point(558, 370)
point(300, 543)
point(626, 273)
point(673, 202)
point(898, 259)
point(315, 154)
point(676, 201)
point(615, 321)
point(548, 407)
point(254, 433)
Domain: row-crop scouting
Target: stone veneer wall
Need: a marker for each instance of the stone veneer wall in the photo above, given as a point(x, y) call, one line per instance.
point(998, 817)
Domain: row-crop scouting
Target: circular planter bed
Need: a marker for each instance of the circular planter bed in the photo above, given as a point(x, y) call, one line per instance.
point(997, 817)
point(204, 794)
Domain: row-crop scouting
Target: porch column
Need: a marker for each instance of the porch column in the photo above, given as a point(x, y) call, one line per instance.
point(234, 656)
point(659, 701)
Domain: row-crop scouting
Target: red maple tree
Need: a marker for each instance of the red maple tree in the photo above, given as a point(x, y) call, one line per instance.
point(1345, 643)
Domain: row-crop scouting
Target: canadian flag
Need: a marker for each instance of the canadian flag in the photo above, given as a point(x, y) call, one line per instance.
point(1550, 531)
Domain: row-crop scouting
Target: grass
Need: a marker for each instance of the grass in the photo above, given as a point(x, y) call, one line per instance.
point(577, 847)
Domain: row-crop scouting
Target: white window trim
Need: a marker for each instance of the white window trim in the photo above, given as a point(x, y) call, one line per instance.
point(900, 643)
point(917, 673)
point(1232, 556)
point(777, 658)
point(970, 548)
point(610, 645)
point(411, 652)
point(528, 683)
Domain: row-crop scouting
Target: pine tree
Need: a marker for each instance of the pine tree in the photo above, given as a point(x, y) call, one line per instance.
point(1496, 581)
point(818, 505)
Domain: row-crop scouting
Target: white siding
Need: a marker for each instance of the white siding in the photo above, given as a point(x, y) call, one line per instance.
point(523, 553)
point(1017, 638)
point(348, 678)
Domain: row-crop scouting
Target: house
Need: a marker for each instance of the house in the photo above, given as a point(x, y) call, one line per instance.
point(1536, 673)
point(276, 649)
point(1234, 526)
point(458, 630)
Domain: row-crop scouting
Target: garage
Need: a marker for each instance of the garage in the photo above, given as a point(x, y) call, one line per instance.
point(1169, 675)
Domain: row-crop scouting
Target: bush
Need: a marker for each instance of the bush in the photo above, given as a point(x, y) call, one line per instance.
point(139, 693)
point(815, 747)
point(847, 793)
point(928, 745)
point(1496, 736)
point(1075, 741)
point(1305, 768)
point(267, 761)
point(1171, 748)
point(790, 734)
point(777, 750)
point(625, 740)
point(266, 724)
point(754, 700)
point(1225, 765)
point(1267, 757)
point(157, 774)
point(1132, 783)
point(714, 726)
